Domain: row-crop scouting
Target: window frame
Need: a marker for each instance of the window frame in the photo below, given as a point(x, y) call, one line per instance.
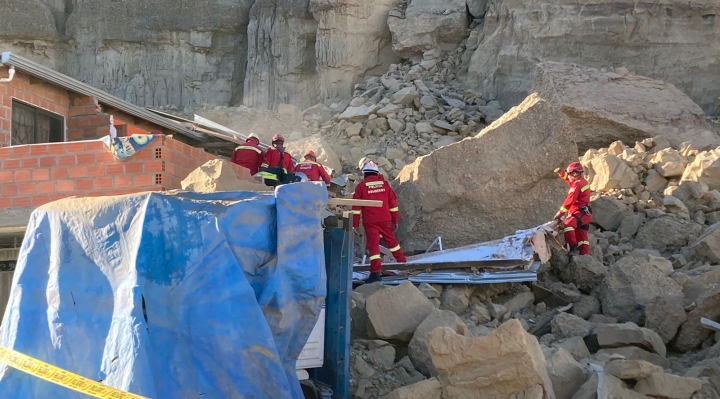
point(38, 111)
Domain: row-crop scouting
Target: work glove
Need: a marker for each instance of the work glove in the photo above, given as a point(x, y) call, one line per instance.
point(557, 170)
point(558, 216)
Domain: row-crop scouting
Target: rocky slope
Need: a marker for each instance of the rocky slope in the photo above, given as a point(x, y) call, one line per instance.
point(266, 52)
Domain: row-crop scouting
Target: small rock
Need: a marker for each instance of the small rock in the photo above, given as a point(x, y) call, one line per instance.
point(586, 307)
point(631, 369)
point(481, 313)
point(429, 291)
point(404, 96)
point(565, 325)
point(423, 127)
point(396, 312)
point(629, 334)
point(635, 353)
point(427, 389)
point(455, 299)
point(383, 357)
point(575, 345)
point(353, 130)
point(668, 386)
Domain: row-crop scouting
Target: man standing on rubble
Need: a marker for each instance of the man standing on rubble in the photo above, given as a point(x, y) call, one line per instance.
point(277, 165)
point(378, 221)
point(311, 168)
point(575, 212)
point(249, 155)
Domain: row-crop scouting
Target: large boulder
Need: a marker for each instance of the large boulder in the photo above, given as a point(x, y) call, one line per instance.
point(326, 156)
point(218, 175)
point(609, 212)
point(606, 106)
point(668, 386)
point(630, 285)
point(629, 334)
point(631, 369)
point(566, 374)
point(424, 25)
point(664, 316)
point(707, 246)
point(509, 162)
point(692, 334)
point(636, 353)
point(706, 168)
point(566, 325)
point(607, 172)
point(504, 362)
point(667, 234)
point(585, 272)
point(396, 312)
point(418, 348)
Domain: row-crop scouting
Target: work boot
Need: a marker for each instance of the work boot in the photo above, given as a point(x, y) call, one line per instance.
point(573, 252)
point(373, 278)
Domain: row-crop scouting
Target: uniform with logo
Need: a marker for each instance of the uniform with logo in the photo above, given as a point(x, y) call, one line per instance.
point(577, 214)
point(248, 155)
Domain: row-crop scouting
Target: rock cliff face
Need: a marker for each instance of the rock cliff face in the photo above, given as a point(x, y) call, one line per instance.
point(674, 41)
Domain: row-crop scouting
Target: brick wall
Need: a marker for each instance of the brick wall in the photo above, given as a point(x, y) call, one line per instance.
point(31, 91)
point(86, 121)
point(32, 175)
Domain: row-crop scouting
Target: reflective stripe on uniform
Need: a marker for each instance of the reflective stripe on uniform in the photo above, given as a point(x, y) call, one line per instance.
point(374, 183)
point(585, 188)
point(267, 175)
point(583, 243)
point(309, 163)
point(355, 212)
point(263, 165)
point(396, 209)
point(562, 209)
point(568, 229)
point(246, 147)
point(393, 249)
point(374, 257)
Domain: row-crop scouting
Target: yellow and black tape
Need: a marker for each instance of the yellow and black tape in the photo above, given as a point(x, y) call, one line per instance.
point(61, 377)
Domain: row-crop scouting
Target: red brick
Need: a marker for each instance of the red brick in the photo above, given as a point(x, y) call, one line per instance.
point(48, 162)
point(75, 147)
point(105, 157)
point(46, 187)
point(38, 200)
point(91, 110)
point(40, 174)
point(29, 163)
point(76, 111)
point(22, 175)
point(5, 202)
point(5, 152)
point(67, 160)
point(96, 170)
point(144, 180)
point(86, 159)
point(103, 183)
point(58, 173)
point(27, 188)
point(115, 169)
point(123, 181)
point(56, 196)
point(153, 166)
point(8, 189)
point(6, 177)
point(21, 202)
point(20, 151)
point(38, 149)
point(10, 164)
point(75, 134)
point(57, 148)
point(78, 171)
point(133, 167)
point(84, 184)
point(95, 145)
point(65, 186)
point(88, 100)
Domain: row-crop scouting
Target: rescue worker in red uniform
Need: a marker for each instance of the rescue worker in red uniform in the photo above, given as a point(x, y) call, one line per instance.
point(277, 165)
point(249, 155)
point(311, 168)
point(379, 222)
point(575, 212)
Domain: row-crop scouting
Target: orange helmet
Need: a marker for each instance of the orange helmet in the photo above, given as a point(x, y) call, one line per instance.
point(575, 167)
point(310, 153)
point(278, 137)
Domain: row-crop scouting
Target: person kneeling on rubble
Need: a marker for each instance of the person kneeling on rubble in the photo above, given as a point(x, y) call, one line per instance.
point(249, 155)
point(378, 221)
point(311, 168)
point(277, 166)
point(575, 212)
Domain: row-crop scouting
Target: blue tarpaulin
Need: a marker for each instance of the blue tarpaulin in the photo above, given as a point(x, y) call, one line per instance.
point(169, 296)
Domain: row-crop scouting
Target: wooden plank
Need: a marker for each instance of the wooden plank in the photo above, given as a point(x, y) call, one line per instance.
point(480, 264)
point(354, 202)
point(709, 324)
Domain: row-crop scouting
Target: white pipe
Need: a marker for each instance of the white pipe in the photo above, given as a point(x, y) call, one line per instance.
point(11, 74)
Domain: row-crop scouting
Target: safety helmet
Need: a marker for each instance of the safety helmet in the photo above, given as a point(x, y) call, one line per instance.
point(253, 136)
point(310, 153)
point(362, 162)
point(278, 137)
point(370, 167)
point(575, 167)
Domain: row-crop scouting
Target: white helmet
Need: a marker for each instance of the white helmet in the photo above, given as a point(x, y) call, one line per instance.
point(370, 167)
point(362, 162)
point(253, 136)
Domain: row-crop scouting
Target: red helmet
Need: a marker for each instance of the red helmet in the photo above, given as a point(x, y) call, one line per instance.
point(278, 137)
point(575, 167)
point(310, 153)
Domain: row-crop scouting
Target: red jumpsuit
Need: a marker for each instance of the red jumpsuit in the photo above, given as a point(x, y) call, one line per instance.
point(575, 220)
point(248, 155)
point(273, 159)
point(313, 170)
point(379, 222)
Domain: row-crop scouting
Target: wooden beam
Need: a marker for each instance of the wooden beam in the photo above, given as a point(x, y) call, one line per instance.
point(354, 202)
point(480, 264)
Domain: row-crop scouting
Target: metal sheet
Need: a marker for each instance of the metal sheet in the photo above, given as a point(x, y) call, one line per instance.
point(462, 277)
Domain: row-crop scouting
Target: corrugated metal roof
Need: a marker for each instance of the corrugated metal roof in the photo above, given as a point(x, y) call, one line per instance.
point(39, 71)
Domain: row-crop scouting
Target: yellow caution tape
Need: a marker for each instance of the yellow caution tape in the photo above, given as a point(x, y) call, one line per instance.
point(61, 377)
